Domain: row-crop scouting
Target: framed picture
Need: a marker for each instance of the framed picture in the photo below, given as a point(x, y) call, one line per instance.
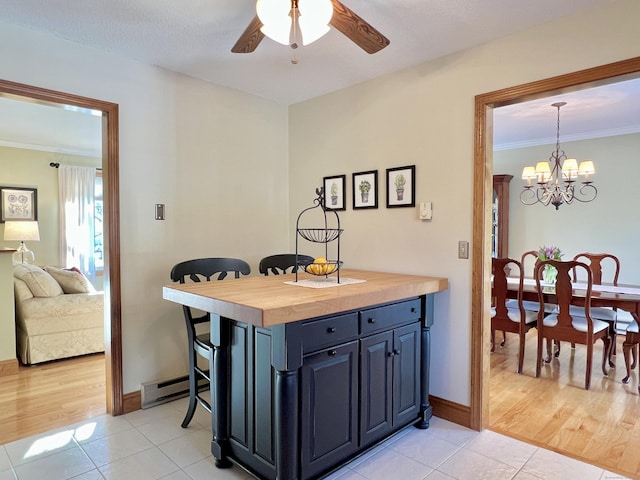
point(17, 203)
point(334, 192)
point(401, 187)
point(365, 190)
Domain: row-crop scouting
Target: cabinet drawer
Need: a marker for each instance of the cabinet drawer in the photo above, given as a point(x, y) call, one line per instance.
point(329, 331)
point(387, 316)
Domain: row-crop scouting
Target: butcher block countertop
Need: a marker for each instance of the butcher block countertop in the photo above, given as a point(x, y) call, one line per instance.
point(268, 301)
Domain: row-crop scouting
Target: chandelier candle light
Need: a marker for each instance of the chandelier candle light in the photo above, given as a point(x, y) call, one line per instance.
point(556, 178)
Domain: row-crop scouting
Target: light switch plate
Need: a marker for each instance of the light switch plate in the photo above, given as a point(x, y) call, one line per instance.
point(463, 249)
point(159, 211)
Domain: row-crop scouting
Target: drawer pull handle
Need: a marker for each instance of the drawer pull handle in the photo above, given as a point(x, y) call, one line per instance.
point(372, 320)
point(332, 353)
point(394, 352)
point(331, 330)
point(413, 309)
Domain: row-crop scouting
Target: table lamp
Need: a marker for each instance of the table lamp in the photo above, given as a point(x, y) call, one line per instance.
point(22, 230)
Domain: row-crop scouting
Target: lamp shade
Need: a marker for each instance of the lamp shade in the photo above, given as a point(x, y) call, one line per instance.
point(528, 173)
point(570, 169)
point(276, 18)
point(543, 170)
point(315, 16)
point(587, 168)
point(21, 231)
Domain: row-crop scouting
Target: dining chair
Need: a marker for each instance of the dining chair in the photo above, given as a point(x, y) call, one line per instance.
point(280, 263)
point(630, 348)
point(198, 270)
point(505, 318)
point(567, 324)
point(610, 264)
point(529, 305)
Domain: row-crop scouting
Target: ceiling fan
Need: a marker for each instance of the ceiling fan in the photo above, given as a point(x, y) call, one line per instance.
point(343, 19)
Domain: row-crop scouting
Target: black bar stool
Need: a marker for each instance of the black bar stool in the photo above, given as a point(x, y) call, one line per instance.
point(197, 270)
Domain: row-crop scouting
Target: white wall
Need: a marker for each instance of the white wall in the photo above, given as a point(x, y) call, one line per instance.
point(219, 159)
point(608, 224)
point(424, 116)
point(216, 157)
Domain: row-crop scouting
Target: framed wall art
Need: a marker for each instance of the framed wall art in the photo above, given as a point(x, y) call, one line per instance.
point(334, 191)
point(365, 190)
point(401, 186)
point(18, 203)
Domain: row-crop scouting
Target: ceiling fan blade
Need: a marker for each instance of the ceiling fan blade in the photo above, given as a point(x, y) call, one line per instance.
point(355, 28)
point(250, 38)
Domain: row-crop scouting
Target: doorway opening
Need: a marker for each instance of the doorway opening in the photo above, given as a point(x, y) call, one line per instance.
point(111, 219)
point(482, 212)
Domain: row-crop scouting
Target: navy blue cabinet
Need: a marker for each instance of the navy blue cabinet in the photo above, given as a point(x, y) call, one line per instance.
point(301, 399)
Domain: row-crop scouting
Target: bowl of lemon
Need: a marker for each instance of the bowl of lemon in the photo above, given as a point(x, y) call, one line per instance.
point(322, 266)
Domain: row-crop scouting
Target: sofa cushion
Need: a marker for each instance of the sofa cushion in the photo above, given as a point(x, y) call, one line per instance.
point(21, 290)
point(41, 283)
point(71, 281)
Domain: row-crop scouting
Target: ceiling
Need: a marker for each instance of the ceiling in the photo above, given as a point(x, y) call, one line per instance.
point(194, 37)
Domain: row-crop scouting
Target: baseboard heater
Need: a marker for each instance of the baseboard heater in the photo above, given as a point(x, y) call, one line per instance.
point(163, 391)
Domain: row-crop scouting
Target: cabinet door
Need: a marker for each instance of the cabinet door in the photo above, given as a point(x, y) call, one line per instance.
point(375, 386)
point(329, 390)
point(406, 374)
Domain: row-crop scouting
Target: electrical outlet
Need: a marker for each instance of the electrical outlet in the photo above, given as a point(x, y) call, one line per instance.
point(463, 249)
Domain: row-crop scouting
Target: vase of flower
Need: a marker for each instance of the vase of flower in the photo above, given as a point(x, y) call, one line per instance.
point(549, 273)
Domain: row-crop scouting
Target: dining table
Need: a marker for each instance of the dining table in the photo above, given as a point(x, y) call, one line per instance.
point(621, 296)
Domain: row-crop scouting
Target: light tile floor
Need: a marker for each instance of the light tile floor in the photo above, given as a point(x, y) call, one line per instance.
point(150, 444)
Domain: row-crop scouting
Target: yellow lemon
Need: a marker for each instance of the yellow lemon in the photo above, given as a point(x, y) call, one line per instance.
point(320, 266)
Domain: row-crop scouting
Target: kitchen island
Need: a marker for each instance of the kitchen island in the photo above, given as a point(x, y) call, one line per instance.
point(305, 379)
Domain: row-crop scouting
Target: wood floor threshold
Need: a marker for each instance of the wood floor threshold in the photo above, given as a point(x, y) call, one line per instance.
point(535, 443)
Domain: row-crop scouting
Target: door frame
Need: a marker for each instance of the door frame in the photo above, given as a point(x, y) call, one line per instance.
point(111, 192)
point(482, 198)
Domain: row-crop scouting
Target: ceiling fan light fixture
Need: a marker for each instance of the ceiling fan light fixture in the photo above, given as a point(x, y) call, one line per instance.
point(275, 18)
point(314, 19)
point(311, 32)
point(277, 22)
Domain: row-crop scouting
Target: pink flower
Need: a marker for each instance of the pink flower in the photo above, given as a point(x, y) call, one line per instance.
point(549, 253)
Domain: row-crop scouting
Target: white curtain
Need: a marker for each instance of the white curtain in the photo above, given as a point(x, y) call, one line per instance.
point(76, 205)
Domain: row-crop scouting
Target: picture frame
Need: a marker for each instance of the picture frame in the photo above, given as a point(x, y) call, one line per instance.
point(401, 186)
point(334, 192)
point(365, 190)
point(18, 203)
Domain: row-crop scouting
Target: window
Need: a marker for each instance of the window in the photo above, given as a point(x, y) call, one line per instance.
point(98, 247)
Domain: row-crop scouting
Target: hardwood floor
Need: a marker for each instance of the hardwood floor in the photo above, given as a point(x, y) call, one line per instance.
point(599, 426)
point(51, 395)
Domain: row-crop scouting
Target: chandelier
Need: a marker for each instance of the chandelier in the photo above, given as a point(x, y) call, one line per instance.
point(555, 179)
point(285, 20)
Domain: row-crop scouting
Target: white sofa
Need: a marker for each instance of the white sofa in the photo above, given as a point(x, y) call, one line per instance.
point(58, 314)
